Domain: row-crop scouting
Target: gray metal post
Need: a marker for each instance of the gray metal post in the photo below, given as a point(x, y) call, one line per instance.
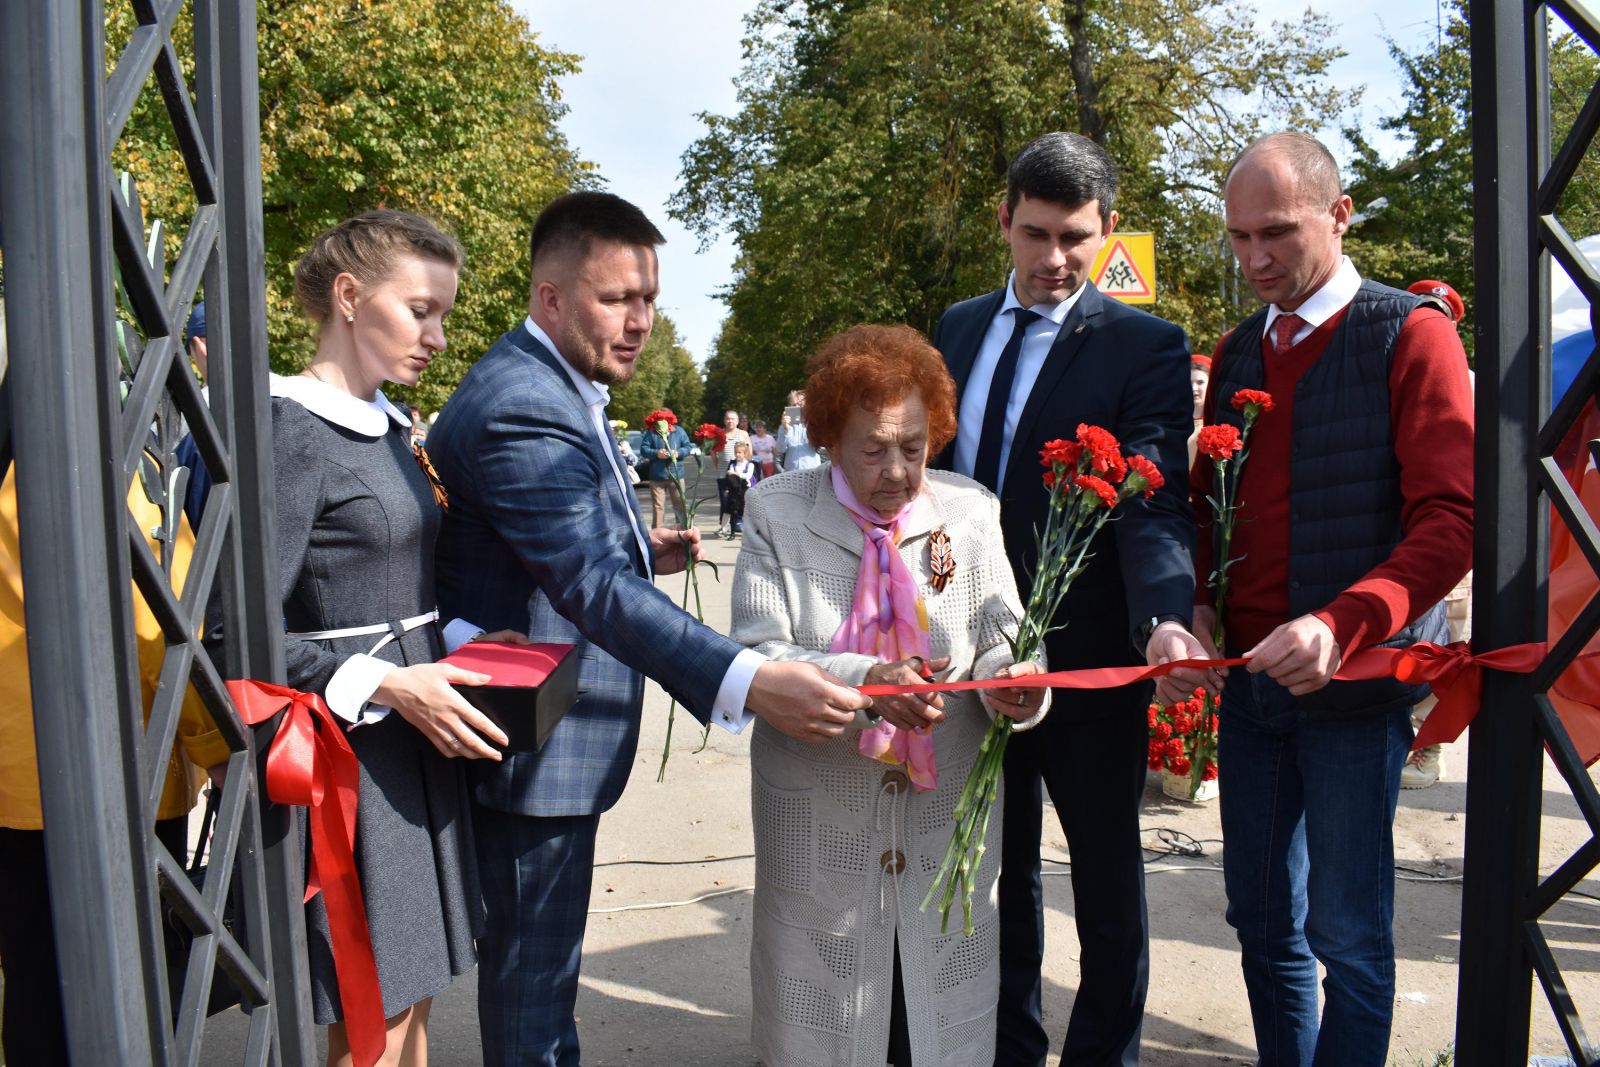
point(1504, 768)
point(230, 111)
point(55, 206)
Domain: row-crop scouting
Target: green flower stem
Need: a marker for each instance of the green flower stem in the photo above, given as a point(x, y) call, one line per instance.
point(691, 585)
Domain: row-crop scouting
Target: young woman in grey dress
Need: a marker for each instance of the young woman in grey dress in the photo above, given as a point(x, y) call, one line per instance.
point(357, 515)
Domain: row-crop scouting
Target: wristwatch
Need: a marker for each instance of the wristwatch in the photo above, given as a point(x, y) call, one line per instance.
point(1148, 627)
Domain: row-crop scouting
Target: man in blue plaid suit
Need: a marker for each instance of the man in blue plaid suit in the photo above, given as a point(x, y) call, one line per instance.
point(543, 535)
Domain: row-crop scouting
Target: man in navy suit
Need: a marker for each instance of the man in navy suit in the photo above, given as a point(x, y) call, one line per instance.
point(1032, 361)
point(543, 535)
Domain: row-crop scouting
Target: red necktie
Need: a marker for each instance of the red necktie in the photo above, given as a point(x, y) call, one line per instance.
point(1283, 330)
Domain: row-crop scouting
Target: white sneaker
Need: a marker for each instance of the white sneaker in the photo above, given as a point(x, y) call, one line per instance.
point(1423, 767)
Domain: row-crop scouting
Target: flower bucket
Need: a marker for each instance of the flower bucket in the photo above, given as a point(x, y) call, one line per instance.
point(1176, 786)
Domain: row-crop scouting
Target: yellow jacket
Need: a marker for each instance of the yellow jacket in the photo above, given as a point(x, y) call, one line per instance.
point(198, 737)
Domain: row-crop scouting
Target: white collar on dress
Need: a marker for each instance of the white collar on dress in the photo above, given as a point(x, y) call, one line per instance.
point(370, 418)
point(1326, 302)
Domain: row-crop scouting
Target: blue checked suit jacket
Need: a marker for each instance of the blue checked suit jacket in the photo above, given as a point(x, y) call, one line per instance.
point(537, 538)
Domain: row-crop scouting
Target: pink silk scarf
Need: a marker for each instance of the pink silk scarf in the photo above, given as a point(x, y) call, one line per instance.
point(887, 621)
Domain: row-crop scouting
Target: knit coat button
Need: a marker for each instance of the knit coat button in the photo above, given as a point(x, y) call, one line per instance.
point(893, 862)
point(898, 779)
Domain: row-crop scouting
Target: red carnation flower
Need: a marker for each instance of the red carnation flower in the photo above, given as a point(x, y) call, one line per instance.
point(1143, 469)
point(1180, 766)
point(710, 432)
point(1219, 442)
point(1198, 694)
point(1182, 723)
point(1098, 486)
point(1155, 763)
point(1050, 479)
point(1175, 748)
point(1163, 731)
point(1059, 451)
point(1209, 772)
point(661, 415)
point(1246, 397)
point(1105, 454)
point(1152, 712)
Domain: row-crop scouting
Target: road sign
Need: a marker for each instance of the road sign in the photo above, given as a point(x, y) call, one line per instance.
point(1126, 268)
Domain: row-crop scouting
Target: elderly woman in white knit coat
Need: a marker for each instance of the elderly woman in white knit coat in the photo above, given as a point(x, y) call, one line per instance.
point(879, 571)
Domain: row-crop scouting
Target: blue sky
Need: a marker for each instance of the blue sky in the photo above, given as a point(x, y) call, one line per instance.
point(649, 66)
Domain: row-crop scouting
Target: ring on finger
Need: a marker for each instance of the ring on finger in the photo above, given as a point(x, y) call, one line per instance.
point(452, 740)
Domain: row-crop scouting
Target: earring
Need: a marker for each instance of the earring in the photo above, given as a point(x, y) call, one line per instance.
point(349, 318)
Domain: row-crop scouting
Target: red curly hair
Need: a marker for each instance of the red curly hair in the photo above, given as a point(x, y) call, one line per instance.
point(872, 367)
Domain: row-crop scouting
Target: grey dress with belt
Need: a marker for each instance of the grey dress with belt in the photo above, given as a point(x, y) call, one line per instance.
point(356, 524)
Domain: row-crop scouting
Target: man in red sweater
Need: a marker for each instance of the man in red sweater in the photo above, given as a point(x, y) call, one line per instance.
point(1355, 520)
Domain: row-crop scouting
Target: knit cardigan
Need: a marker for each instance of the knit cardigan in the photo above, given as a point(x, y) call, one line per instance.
point(845, 850)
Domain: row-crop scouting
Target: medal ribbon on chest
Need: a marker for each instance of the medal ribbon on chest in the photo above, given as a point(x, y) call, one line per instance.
point(941, 560)
point(440, 497)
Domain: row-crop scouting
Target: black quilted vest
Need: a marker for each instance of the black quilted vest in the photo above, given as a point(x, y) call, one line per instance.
point(1344, 495)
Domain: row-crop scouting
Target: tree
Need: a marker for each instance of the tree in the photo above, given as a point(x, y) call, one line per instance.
point(861, 174)
point(446, 109)
point(1415, 216)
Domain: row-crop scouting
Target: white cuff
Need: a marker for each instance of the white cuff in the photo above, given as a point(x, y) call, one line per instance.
point(729, 711)
point(458, 632)
point(353, 684)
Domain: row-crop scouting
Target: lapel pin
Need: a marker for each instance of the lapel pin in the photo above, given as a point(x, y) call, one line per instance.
point(1079, 329)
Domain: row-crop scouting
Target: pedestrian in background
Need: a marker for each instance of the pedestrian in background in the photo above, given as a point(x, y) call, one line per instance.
point(732, 436)
point(794, 438)
point(666, 456)
point(763, 449)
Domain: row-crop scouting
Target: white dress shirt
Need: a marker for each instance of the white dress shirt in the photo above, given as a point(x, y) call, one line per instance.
point(728, 711)
point(1321, 305)
point(1037, 339)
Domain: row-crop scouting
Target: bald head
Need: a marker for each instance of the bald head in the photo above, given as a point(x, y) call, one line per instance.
point(1286, 217)
point(1315, 172)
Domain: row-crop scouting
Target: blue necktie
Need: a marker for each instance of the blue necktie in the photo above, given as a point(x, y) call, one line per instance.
point(992, 436)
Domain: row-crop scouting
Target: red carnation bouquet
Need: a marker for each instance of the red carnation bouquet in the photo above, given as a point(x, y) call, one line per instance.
point(1178, 738)
point(1087, 478)
point(1227, 447)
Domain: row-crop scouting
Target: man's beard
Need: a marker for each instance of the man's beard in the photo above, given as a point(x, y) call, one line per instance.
point(586, 360)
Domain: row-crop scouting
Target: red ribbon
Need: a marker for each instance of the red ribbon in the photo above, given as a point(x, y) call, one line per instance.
point(1455, 674)
point(311, 764)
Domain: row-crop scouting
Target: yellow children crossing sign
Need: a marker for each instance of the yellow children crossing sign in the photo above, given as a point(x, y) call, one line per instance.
point(1126, 268)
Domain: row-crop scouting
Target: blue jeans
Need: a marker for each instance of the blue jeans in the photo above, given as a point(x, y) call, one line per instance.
point(1308, 808)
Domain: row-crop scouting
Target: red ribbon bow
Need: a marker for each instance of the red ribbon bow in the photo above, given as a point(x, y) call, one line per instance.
point(1455, 674)
point(311, 764)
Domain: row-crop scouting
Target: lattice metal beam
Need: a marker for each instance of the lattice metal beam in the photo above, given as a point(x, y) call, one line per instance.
point(49, 96)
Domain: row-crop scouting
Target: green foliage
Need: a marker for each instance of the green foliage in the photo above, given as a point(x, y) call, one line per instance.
point(861, 173)
point(446, 109)
point(1417, 210)
point(666, 376)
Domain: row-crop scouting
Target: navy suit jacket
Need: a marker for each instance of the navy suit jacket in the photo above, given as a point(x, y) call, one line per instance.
point(537, 538)
point(1127, 371)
